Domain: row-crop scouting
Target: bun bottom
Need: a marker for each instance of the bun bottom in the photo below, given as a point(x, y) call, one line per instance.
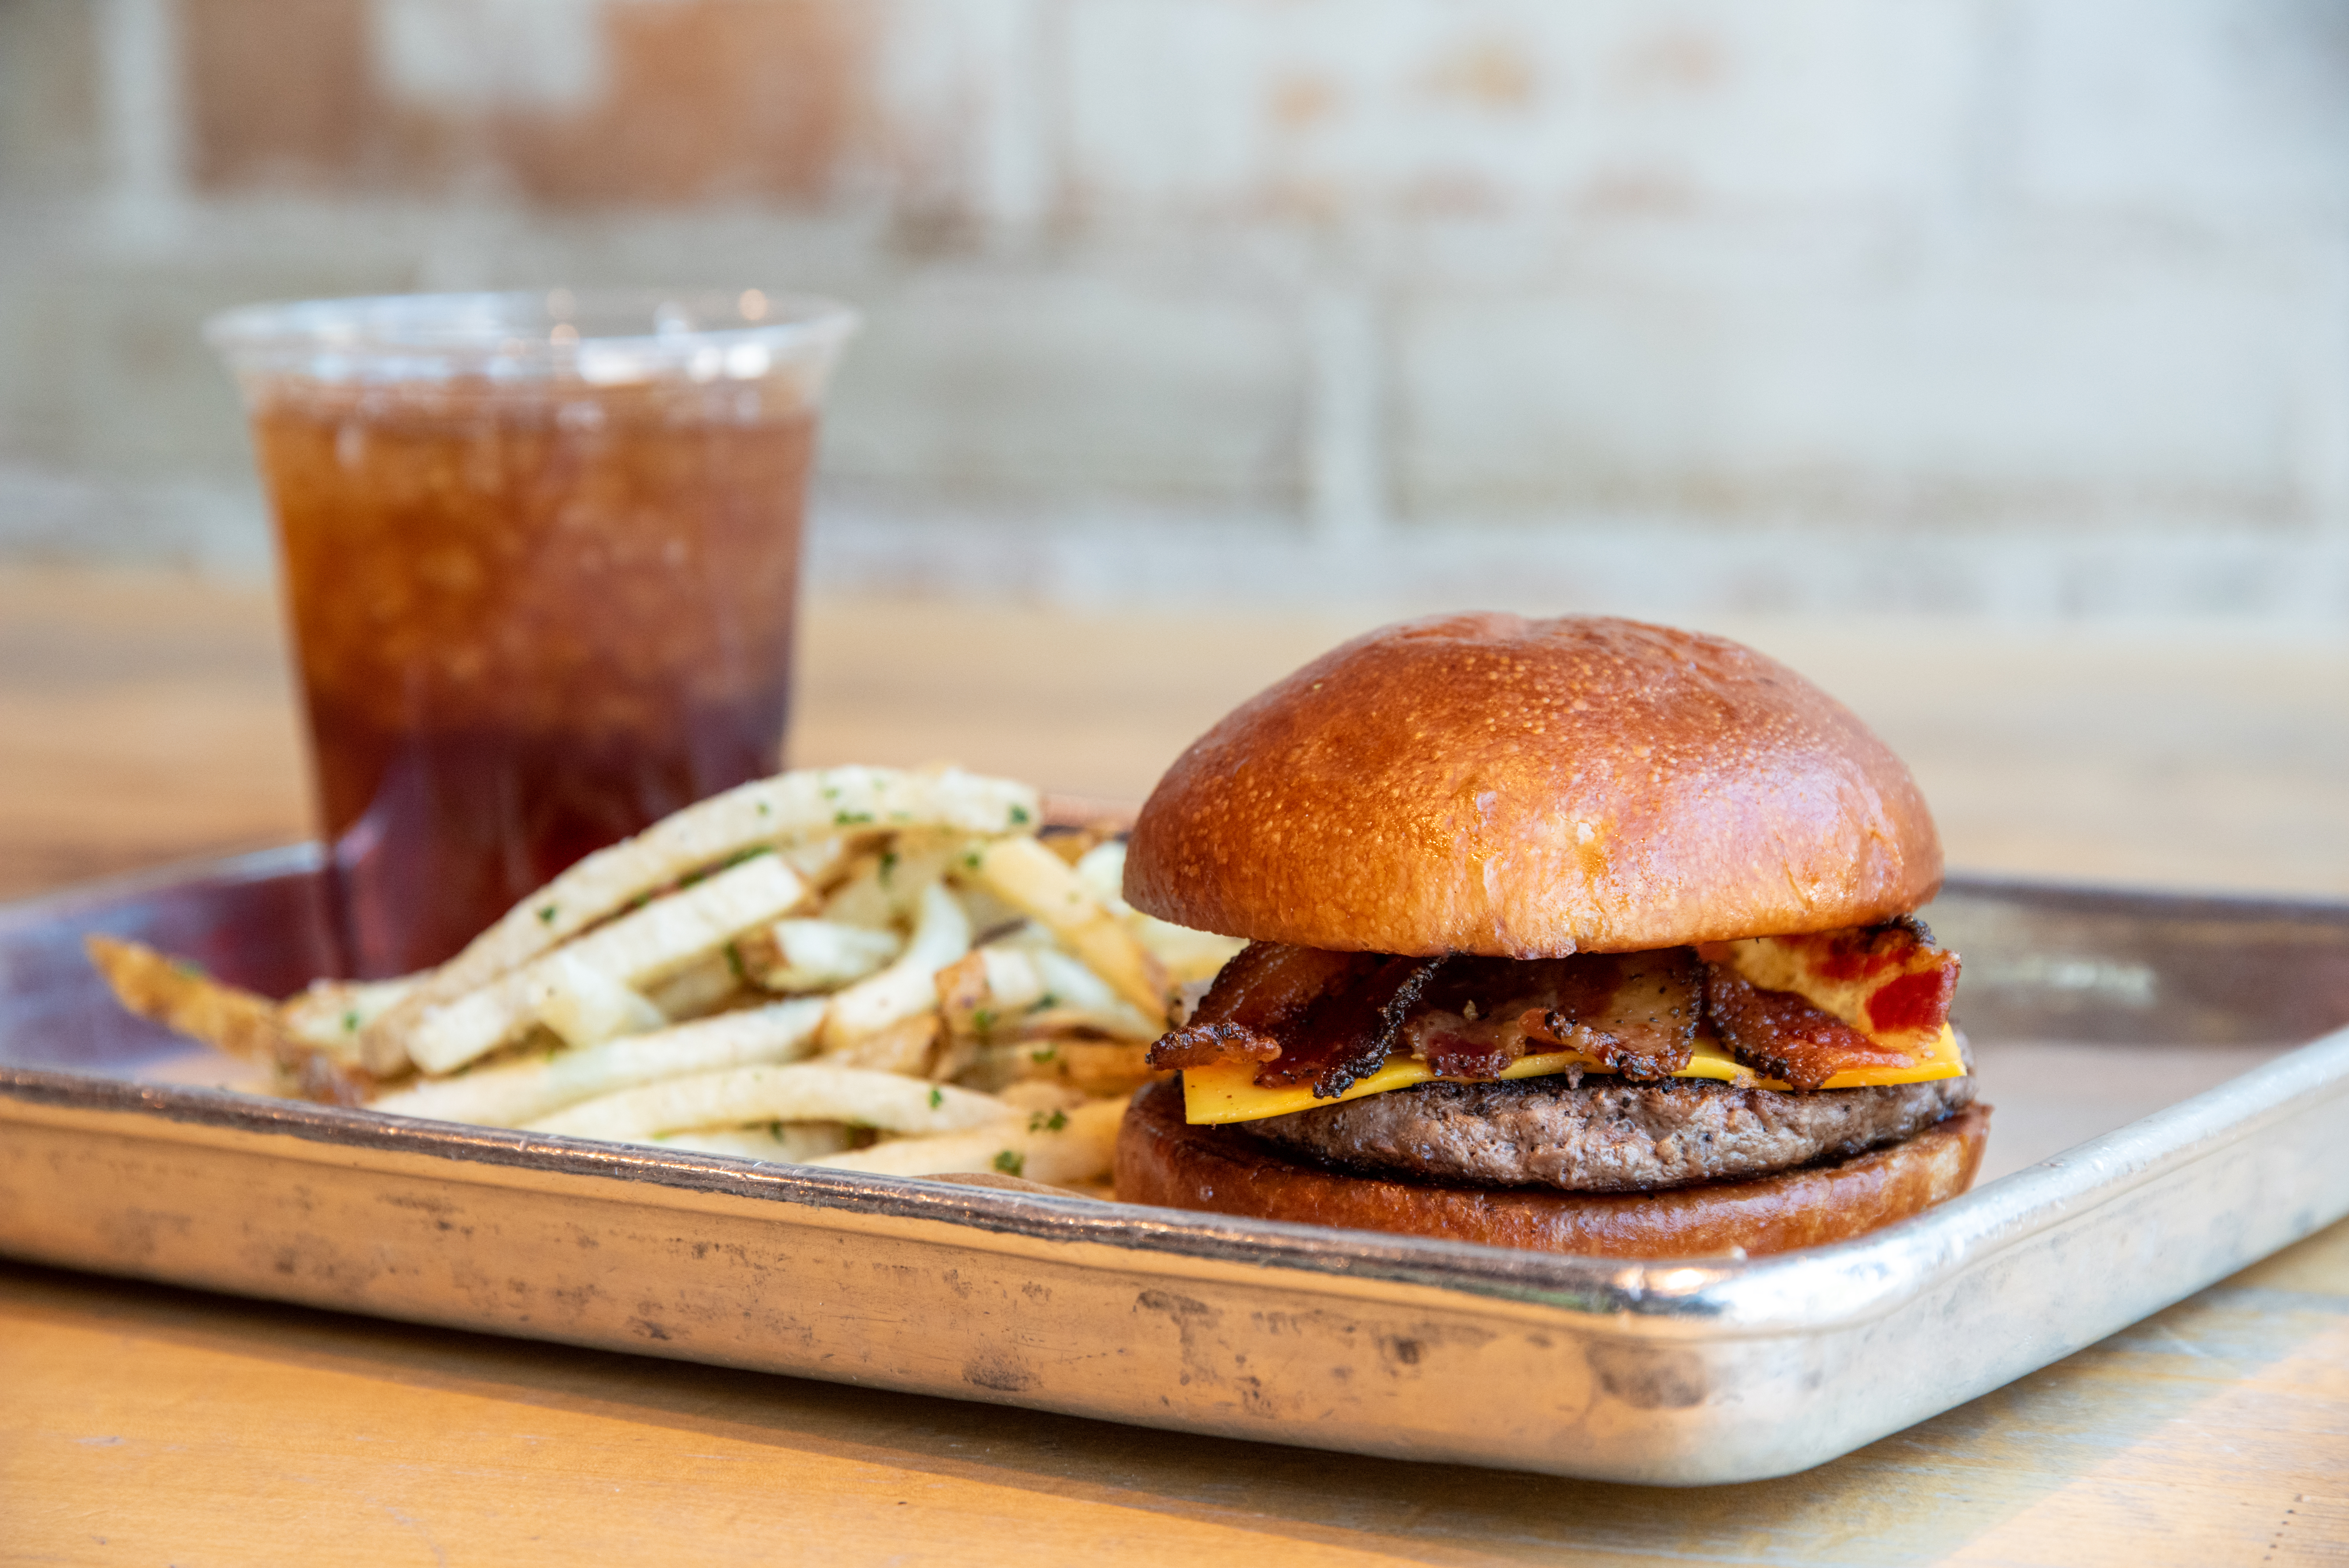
point(1165, 1160)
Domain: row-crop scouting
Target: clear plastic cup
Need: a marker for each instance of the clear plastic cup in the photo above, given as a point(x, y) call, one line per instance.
point(541, 554)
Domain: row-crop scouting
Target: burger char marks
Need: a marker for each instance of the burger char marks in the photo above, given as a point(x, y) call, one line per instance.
point(1636, 1012)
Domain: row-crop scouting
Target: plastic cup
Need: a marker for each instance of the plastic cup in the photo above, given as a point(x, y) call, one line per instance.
point(541, 556)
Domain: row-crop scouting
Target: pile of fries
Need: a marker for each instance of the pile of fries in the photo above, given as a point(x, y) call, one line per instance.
point(863, 968)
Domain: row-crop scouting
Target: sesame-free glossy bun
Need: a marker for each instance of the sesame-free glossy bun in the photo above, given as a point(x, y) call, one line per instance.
point(1514, 788)
point(1162, 1160)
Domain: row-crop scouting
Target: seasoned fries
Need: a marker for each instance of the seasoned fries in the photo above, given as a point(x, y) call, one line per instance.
point(1056, 1147)
point(1041, 885)
point(512, 1093)
point(809, 1092)
point(906, 987)
point(863, 968)
point(1008, 992)
point(181, 997)
point(818, 955)
point(649, 944)
point(789, 808)
point(331, 1014)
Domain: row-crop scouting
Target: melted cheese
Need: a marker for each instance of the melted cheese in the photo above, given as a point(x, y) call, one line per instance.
point(1227, 1092)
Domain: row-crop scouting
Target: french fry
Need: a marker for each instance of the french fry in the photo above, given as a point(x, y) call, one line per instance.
point(787, 1143)
point(244, 1024)
point(331, 1014)
point(512, 1093)
point(1073, 844)
point(587, 1006)
point(805, 1091)
point(657, 941)
point(1056, 1147)
point(907, 1047)
point(817, 955)
point(821, 862)
point(858, 892)
point(1038, 1094)
point(906, 987)
point(951, 1057)
point(702, 986)
point(1101, 871)
point(964, 996)
point(1006, 992)
point(883, 889)
point(1186, 955)
point(784, 810)
point(990, 917)
point(1032, 879)
point(1090, 1067)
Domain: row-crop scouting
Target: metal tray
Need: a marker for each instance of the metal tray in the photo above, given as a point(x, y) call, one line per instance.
point(2089, 1010)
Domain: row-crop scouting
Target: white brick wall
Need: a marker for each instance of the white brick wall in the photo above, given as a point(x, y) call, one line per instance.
point(2030, 308)
point(2201, 114)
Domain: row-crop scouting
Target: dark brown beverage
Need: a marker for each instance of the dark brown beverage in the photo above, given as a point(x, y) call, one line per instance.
point(529, 622)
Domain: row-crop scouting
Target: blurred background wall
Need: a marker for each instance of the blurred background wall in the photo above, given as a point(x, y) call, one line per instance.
point(2035, 309)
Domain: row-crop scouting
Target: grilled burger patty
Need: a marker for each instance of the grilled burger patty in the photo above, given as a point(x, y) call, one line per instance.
point(1606, 1134)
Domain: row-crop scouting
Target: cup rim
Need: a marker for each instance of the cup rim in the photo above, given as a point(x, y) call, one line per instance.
point(707, 333)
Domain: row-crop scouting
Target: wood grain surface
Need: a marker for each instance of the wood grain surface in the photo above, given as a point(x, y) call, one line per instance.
point(148, 718)
point(145, 718)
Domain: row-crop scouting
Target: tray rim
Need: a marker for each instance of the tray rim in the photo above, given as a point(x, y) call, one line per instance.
point(1725, 1298)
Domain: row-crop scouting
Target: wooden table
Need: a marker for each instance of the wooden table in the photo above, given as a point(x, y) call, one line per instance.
point(147, 718)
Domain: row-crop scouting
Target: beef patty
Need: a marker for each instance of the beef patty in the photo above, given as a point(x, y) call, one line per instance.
point(1606, 1134)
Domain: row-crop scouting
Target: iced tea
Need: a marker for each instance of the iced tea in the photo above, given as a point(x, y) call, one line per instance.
point(532, 617)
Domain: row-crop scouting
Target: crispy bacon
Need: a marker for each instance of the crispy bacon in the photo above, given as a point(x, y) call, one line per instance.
point(1887, 981)
point(1327, 1019)
point(1781, 1035)
point(1797, 1008)
point(1636, 1012)
point(1203, 1045)
point(1257, 1001)
point(1347, 1037)
point(1468, 1021)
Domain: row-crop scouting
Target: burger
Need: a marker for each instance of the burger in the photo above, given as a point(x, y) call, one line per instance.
point(1579, 934)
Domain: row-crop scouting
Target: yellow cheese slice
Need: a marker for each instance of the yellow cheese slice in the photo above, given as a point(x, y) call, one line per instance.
point(1227, 1092)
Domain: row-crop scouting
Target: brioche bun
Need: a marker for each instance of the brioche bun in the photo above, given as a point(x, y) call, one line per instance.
point(1490, 784)
point(1162, 1160)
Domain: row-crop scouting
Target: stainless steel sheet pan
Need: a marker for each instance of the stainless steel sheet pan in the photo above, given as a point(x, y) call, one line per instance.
point(2171, 1075)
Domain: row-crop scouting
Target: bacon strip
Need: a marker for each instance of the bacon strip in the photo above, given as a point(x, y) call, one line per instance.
point(1256, 1000)
point(1779, 1033)
point(1468, 1021)
point(1636, 1012)
point(1797, 1008)
point(1347, 1037)
point(1887, 981)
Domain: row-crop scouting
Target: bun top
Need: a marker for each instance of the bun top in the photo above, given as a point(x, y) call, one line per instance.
point(1522, 789)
